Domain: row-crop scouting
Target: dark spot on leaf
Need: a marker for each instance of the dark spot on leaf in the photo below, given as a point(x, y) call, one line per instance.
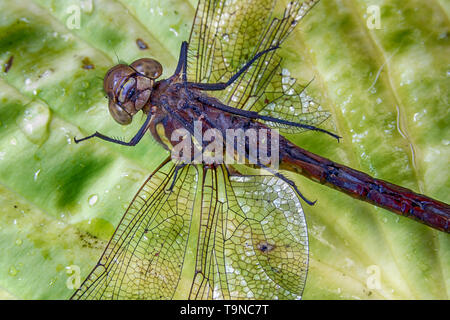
point(19, 35)
point(87, 64)
point(69, 178)
point(265, 247)
point(8, 64)
point(141, 44)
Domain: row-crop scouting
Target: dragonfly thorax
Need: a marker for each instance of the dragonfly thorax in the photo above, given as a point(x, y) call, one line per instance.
point(129, 87)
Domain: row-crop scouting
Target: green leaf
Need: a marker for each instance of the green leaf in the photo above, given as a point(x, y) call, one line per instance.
point(386, 88)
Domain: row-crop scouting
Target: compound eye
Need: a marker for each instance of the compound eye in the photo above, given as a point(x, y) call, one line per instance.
point(114, 77)
point(127, 90)
point(119, 114)
point(148, 67)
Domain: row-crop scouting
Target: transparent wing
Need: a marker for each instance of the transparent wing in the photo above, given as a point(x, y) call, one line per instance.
point(253, 239)
point(144, 258)
point(284, 98)
point(226, 35)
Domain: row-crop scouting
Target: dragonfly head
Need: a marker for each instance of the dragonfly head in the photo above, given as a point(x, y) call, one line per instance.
point(129, 87)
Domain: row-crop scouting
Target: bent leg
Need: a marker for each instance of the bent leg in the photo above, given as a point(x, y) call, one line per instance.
point(135, 140)
point(223, 85)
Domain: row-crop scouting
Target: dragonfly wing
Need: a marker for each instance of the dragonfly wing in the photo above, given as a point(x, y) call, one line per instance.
point(224, 38)
point(224, 35)
point(283, 98)
point(144, 258)
point(253, 239)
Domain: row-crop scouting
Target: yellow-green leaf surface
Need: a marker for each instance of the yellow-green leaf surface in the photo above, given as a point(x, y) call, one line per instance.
point(387, 87)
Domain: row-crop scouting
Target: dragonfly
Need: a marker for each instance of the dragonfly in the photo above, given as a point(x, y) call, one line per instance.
point(211, 229)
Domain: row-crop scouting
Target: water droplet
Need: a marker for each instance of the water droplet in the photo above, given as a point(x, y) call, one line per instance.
point(92, 200)
point(52, 281)
point(34, 122)
point(174, 32)
point(13, 271)
point(19, 242)
point(36, 174)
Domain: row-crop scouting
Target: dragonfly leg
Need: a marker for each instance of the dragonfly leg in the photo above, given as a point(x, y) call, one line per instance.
point(135, 140)
point(294, 186)
point(289, 182)
point(255, 115)
point(174, 179)
point(188, 126)
point(299, 125)
point(223, 85)
point(182, 62)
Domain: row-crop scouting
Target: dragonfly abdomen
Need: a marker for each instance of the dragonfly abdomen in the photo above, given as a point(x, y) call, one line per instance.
point(364, 187)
